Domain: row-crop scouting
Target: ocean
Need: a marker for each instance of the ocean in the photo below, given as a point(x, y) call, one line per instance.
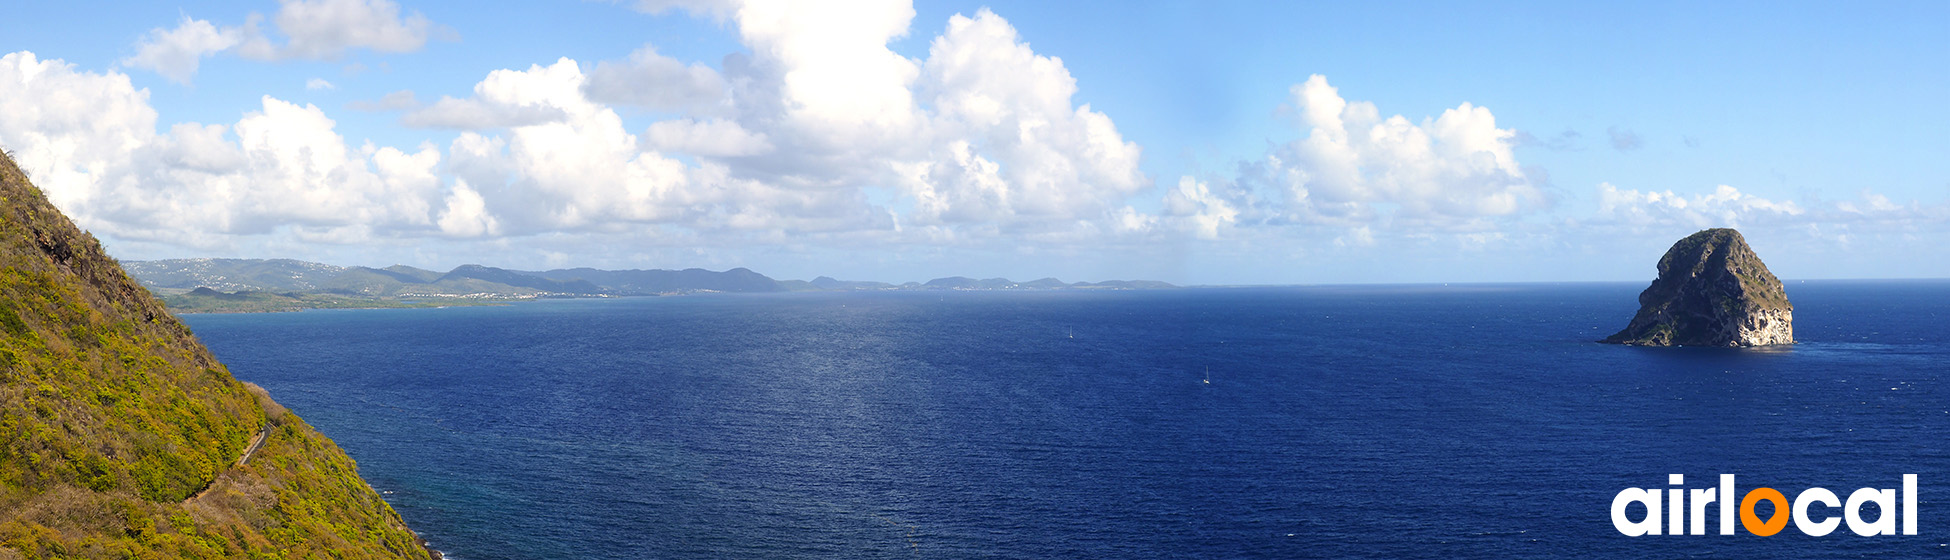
point(1411, 421)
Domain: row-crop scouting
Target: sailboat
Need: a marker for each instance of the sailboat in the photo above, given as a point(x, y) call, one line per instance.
point(1208, 375)
point(1073, 332)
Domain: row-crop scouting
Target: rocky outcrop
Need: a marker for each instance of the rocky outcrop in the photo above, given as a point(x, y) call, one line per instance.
point(1712, 290)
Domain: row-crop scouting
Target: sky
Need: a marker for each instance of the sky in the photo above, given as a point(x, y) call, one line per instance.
point(1195, 143)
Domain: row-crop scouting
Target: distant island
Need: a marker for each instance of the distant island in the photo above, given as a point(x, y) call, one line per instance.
point(1712, 290)
point(267, 285)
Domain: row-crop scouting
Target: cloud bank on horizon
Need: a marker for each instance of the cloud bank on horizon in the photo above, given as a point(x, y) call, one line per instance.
point(817, 135)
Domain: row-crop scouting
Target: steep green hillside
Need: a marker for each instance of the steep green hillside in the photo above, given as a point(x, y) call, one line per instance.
point(121, 436)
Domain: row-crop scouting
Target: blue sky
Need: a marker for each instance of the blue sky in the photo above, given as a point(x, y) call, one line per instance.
point(1242, 143)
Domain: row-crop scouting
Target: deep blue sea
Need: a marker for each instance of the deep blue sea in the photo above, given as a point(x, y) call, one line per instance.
point(1475, 421)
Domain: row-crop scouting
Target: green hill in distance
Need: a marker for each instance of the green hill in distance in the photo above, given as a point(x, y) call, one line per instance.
point(258, 285)
point(122, 437)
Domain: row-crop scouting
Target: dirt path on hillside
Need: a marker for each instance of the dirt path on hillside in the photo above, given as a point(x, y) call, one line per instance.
point(257, 441)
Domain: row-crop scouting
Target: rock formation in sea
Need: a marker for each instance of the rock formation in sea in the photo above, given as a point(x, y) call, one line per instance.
point(1712, 290)
point(121, 436)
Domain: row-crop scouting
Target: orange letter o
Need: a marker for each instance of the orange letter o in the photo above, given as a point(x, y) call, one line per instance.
point(1774, 524)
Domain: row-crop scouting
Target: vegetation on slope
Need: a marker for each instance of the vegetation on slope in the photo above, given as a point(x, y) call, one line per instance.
point(120, 434)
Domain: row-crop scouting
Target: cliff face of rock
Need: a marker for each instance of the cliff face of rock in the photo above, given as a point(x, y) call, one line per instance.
point(1712, 290)
point(122, 437)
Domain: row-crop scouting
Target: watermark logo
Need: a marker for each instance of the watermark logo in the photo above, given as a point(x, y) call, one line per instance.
point(1684, 511)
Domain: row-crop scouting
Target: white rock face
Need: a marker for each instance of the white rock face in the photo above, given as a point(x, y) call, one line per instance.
point(1765, 328)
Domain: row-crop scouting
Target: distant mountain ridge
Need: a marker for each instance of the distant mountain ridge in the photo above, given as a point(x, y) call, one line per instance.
point(230, 275)
point(293, 277)
point(665, 281)
point(285, 275)
point(522, 280)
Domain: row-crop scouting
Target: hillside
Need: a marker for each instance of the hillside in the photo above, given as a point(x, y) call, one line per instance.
point(122, 437)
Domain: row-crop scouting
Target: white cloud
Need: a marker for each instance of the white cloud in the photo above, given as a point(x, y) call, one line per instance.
point(474, 114)
point(325, 29)
point(512, 98)
point(1451, 170)
point(981, 135)
point(1724, 207)
point(1872, 204)
point(71, 129)
point(655, 81)
point(992, 94)
point(315, 84)
point(825, 85)
point(287, 167)
point(577, 171)
point(177, 53)
point(90, 141)
point(1128, 220)
point(586, 173)
point(313, 29)
point(466, 214)
point(1825, 232)
point(711, 138)
point(1202, 211)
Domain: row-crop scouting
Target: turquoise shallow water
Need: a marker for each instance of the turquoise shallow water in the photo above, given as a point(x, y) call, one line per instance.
point(1378, 422)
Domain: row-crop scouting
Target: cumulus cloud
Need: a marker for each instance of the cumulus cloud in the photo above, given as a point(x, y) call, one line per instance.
point(313, 29)
point(982, 134)
point(655, 81)
point(574, 171)
point(1457, 168)
point(585, 172)
point(177, 53)
point(91, 142)
point(823, 84)
point(287, 167)
point(1204, 213)
point(325, 29)
point(711, 138)
point(69, 128)
point(981, 138)
point(1830, 227)
point(993, 94)
point(474, 114)
point(315, 84)
point(1724, 207)
point(466, 214)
